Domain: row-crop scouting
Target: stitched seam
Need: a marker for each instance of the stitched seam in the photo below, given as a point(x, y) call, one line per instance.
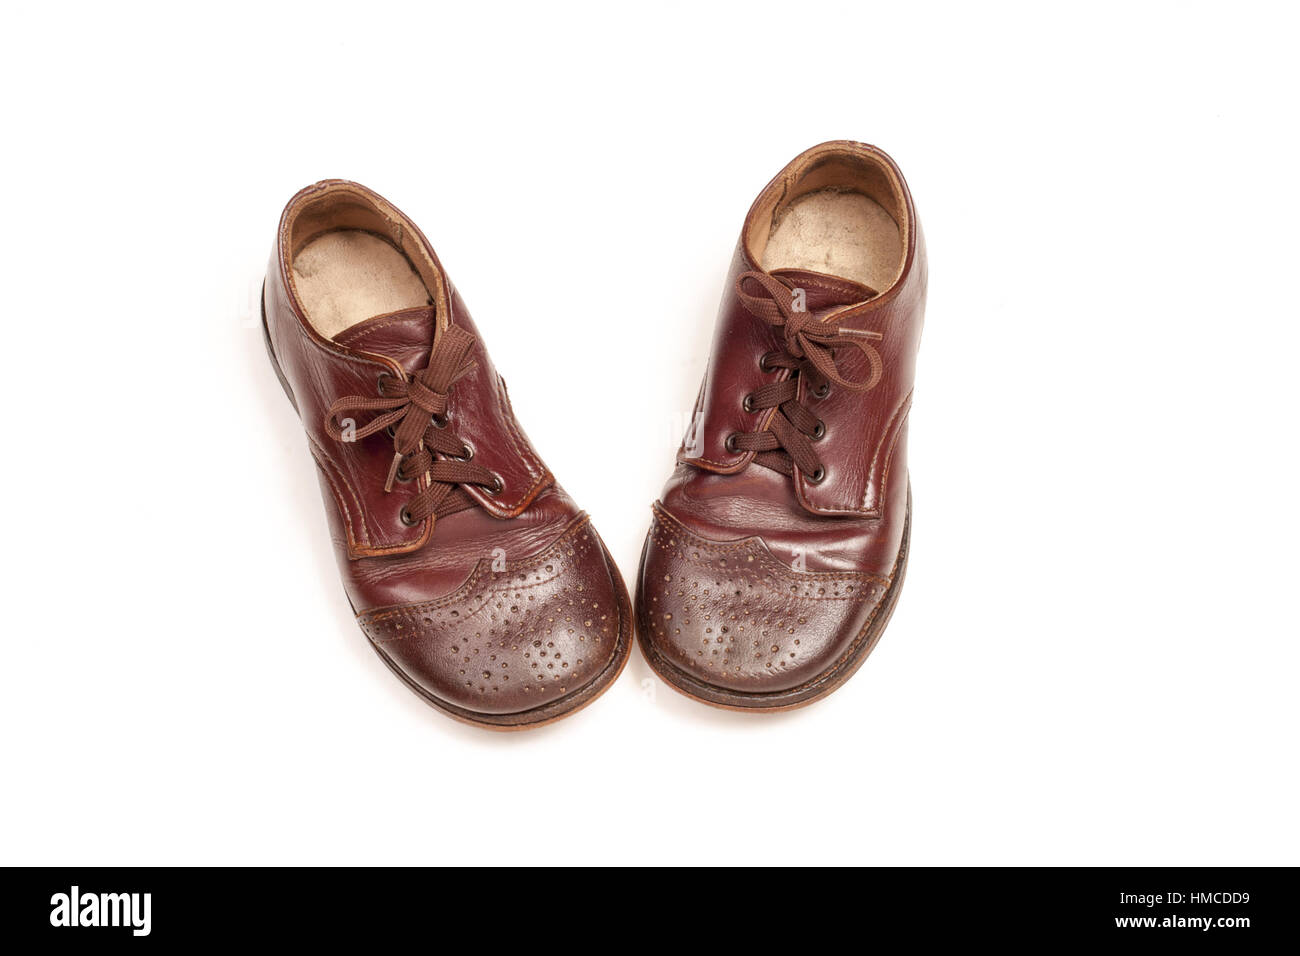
point(765, 423)
point(387, 323)
point(762, 554)
point(413, 612)
point(328, 465)
point(406, 610)
point(518, 443)
point(516, 440)
point(699, 413)
point(889, 460)
point(416, 611)
point(864, 510)
point(338, 352)
point(382, 541)
point(328, 471)
point(835, 286)
point(340, 503)
point(892, 432)
point(831, 671)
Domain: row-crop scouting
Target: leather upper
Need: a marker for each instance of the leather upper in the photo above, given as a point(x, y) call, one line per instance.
point(756, 580)
point(463, 604)
point(862, 429)
point(320, 370)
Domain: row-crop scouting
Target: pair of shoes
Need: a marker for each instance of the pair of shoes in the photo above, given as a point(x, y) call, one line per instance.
point(777, 551)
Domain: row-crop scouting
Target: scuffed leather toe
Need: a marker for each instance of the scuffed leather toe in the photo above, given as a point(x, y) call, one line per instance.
point(515, 639)
point(728, 614)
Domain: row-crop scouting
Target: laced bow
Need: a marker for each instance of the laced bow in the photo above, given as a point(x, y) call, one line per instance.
point(809, 345)
point(413, 411)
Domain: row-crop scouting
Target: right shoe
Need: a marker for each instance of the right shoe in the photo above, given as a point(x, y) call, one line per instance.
point(778, 548)
point(476, 579)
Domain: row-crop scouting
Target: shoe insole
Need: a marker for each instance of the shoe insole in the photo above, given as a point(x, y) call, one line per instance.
point(843, 234)
point(348, 276)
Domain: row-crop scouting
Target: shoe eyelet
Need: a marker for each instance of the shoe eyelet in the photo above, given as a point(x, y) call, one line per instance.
point(818, 476)
point(730, 443)
point(748, 404)
point(819, 430)
point(764, 362)
point(406, 519)
point(438, 421)
point(379, 382)
point(498, 485)
point(821, 391)
point(466, 453)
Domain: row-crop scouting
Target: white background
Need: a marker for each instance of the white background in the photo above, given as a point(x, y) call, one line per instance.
point(1094, 660)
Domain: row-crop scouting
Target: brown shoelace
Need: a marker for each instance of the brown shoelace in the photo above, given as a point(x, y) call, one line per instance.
point(788, 440)
point(414, 413)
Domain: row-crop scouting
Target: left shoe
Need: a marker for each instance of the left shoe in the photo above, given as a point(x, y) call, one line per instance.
point(477, 580)
point(777, 551)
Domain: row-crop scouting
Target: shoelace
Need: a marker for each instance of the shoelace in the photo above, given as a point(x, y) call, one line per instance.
point(787, 442)
point(414, 414)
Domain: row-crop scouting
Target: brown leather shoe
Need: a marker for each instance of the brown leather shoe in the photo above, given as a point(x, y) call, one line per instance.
point(476, 578)
point(777, 551)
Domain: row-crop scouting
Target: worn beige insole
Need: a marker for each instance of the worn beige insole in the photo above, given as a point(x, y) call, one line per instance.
point(839, 233)
point(348, 276)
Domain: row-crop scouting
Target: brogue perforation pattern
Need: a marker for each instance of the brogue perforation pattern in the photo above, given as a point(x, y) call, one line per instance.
point(522, 636)
point(732, 614)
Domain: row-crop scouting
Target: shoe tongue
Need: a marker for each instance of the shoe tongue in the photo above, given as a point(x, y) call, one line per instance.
point(824, 291)
point(405, 336)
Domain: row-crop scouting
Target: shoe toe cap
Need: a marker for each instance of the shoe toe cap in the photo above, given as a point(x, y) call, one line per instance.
point(512, 639)
point(728, 614)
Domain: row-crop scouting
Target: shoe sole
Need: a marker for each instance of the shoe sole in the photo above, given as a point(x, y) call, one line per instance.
point(539, 716)
point(791, 698)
